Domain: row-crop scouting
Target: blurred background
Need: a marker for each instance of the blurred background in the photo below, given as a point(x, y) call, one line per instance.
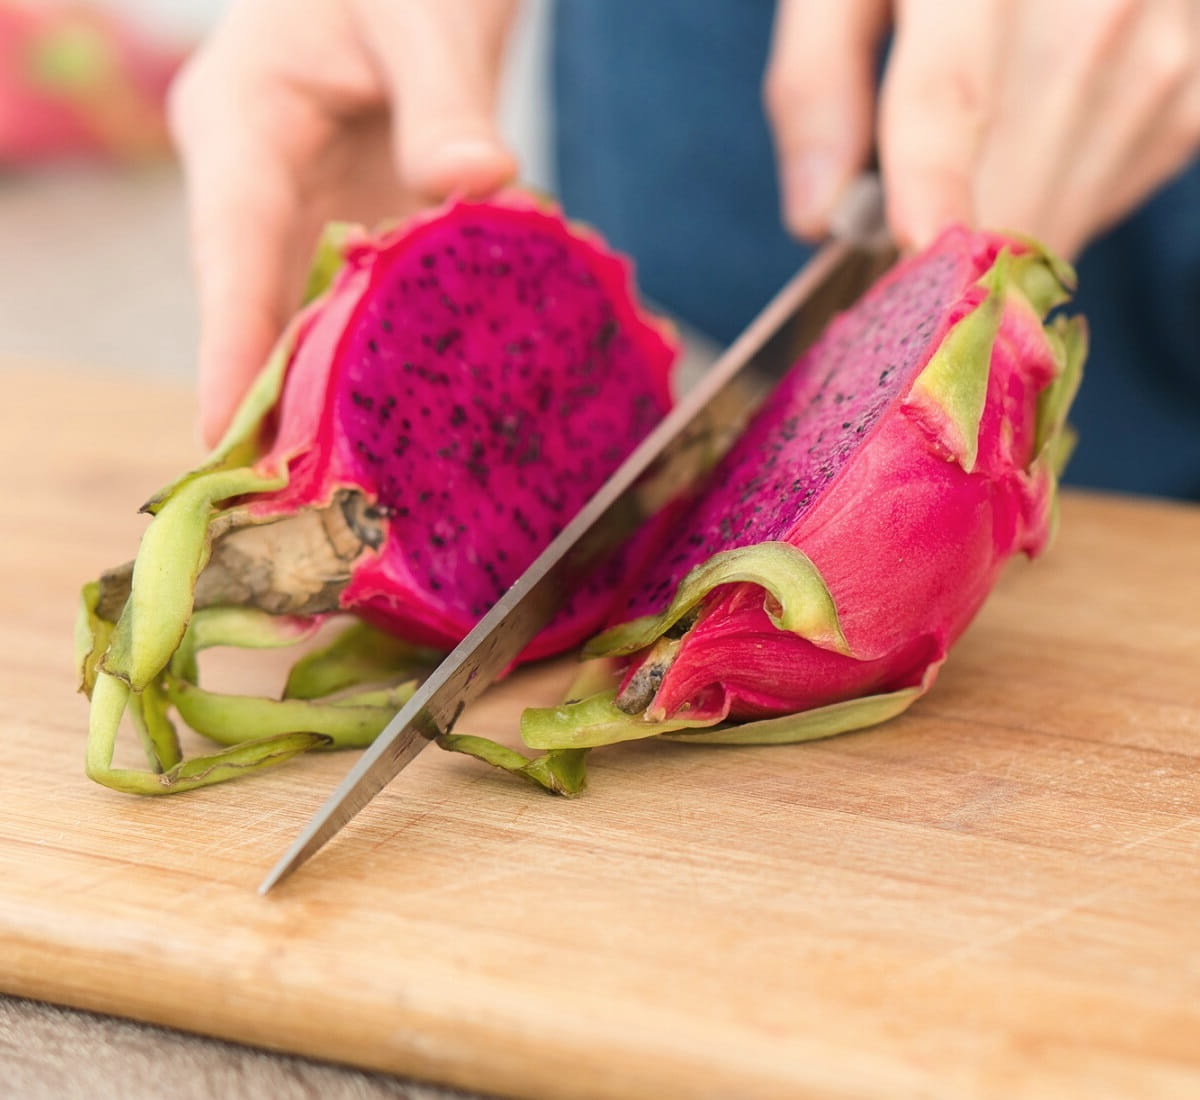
point(92, 219)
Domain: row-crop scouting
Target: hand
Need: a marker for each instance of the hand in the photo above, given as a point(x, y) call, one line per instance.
point(1050, 119)
point(285, 119)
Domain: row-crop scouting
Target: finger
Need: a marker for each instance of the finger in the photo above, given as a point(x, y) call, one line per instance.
point(1056, 122)
point(441, 63)
point(936, 103)
point(1141, 91)
point(819, 92)
point(1042, 100)
point(243, 213)
point(1087, 117)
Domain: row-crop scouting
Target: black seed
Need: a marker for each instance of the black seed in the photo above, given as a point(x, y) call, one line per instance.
point(605, 336)
point(446, 339)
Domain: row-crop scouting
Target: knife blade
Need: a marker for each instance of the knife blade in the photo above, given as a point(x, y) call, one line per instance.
point(702, 424)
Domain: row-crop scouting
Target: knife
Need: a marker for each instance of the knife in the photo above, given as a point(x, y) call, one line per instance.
point(703, 423)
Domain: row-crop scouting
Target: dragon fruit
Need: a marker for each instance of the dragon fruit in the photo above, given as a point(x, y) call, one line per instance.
point(78, 81)
point(834, 555)
point(454, 391)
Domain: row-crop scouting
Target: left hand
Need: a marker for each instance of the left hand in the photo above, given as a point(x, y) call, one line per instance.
point(357, 111)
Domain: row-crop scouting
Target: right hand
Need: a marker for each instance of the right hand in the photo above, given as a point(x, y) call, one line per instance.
point(289, 116)
point(1054, 119)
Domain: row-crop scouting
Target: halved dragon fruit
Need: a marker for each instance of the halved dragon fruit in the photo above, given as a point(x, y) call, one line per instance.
point(853, 531)
point(457, 388)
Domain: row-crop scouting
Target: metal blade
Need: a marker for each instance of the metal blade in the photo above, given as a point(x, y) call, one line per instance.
point(703, 423)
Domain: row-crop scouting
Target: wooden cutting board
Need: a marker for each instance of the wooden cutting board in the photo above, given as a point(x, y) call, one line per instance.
point(997, 894)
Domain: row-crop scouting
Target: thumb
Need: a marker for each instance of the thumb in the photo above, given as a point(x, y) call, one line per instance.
point(819, 95)
point(242, 211)
point(441, 63)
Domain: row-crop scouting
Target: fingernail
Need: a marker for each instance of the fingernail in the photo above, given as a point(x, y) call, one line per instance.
point(810, 184)
point(468, 149)
point(469, 164)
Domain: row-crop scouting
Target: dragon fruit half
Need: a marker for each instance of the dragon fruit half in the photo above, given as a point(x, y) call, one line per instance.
point(479, 369)
point(852, 532)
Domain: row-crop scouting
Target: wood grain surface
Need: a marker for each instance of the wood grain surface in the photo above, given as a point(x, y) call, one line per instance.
point(994, 895)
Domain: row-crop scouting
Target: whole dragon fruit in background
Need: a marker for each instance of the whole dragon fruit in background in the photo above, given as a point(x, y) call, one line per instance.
point(455, 390)
point(853, 531)
point(79, 81)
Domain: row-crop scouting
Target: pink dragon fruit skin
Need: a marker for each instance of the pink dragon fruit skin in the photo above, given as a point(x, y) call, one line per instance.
point(858, 524)
point(456, 389)
point(79, 81)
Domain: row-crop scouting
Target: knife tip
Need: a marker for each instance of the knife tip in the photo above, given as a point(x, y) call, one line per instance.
point(286, 865)
point(319, 830)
